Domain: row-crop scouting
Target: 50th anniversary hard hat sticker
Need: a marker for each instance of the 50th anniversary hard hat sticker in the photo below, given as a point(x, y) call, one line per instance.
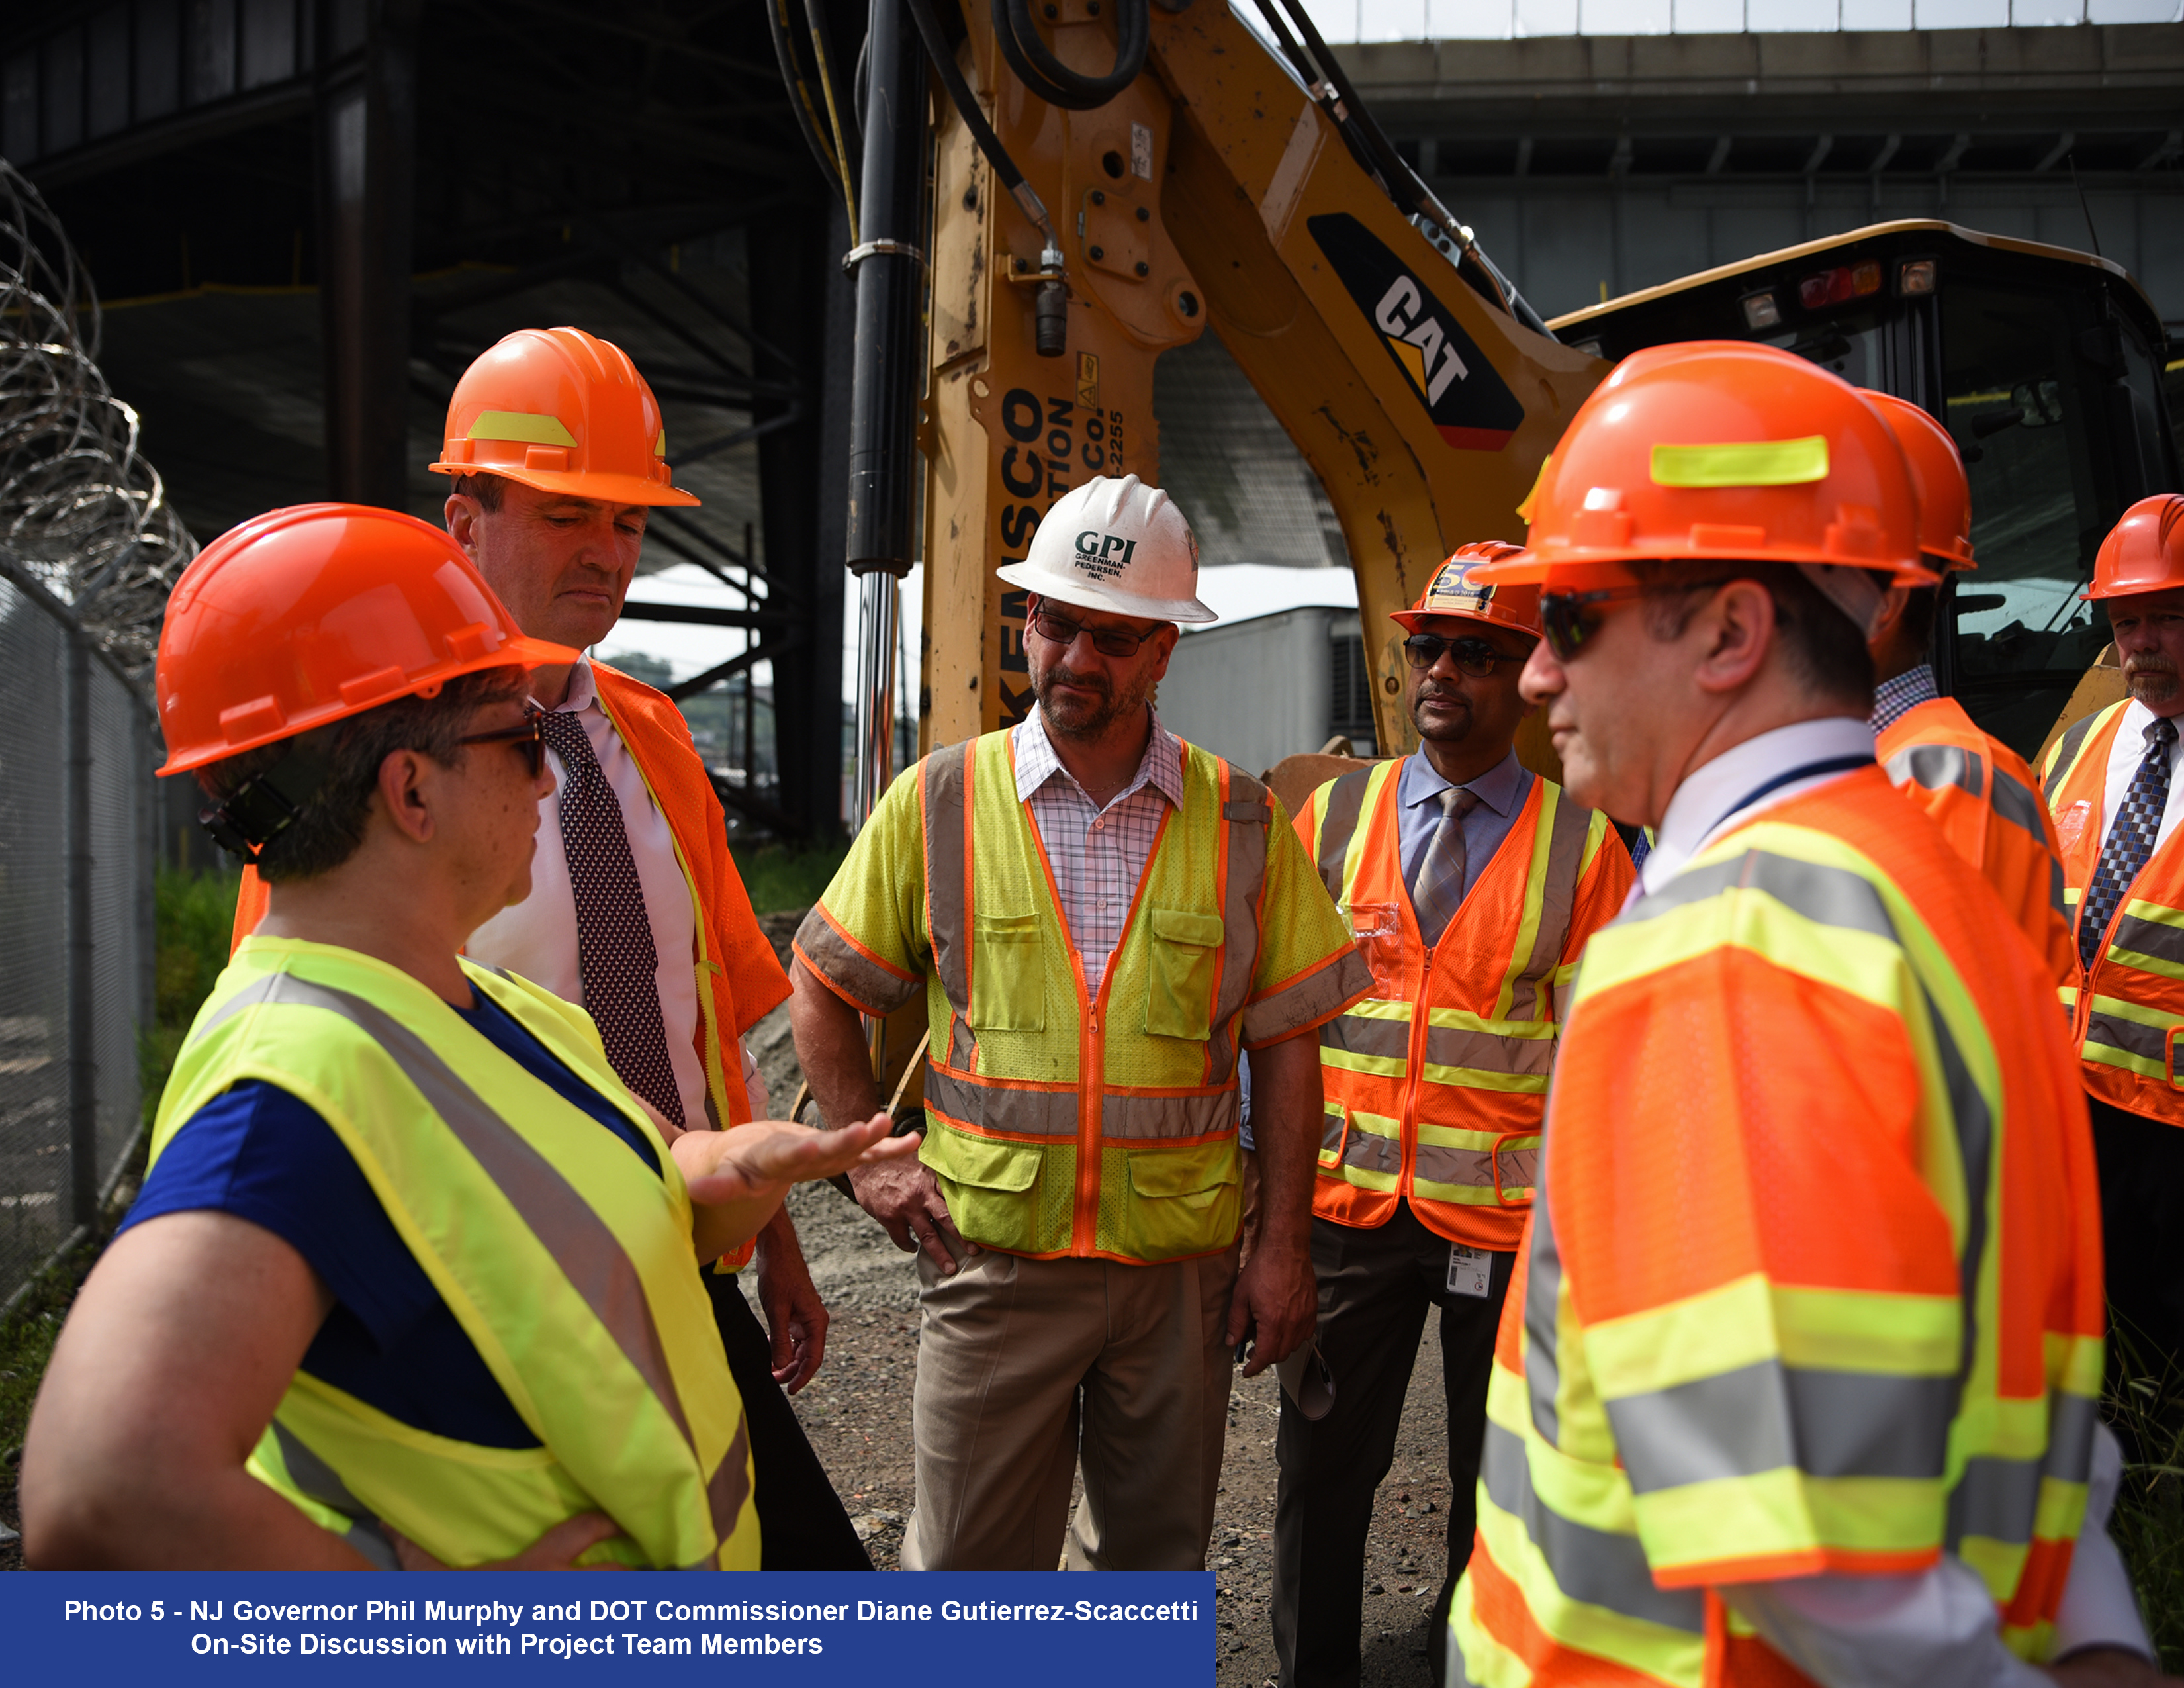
point(1153, 1628)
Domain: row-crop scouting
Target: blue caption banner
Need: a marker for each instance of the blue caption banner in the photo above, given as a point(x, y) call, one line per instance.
point(1150, 1628)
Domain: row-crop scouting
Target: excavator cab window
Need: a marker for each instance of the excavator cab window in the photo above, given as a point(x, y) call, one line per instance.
point(2028, 425)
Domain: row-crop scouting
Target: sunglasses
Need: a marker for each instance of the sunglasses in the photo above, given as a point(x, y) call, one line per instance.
point(1107, 641)
point(529, 740)
point(1568, 619)
point(1474, 657)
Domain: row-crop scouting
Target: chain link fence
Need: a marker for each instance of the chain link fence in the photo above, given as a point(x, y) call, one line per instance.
point(78, 838)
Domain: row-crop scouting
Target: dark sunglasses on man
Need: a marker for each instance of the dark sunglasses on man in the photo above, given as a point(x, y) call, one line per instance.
point(1471, 656)
point(529, 739)
point(1568, 619)
point(1107, 641)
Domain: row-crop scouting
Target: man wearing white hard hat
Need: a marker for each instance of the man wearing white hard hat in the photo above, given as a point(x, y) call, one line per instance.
point(1099, 917)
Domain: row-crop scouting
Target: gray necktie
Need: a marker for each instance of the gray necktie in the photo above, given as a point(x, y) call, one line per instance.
point(616, 955)
point(1437, 889)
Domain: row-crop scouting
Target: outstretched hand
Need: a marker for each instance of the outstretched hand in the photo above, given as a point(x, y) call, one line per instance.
point(737, 1177)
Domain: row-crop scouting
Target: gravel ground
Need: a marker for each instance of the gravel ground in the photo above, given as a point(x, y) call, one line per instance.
point(856, 1412)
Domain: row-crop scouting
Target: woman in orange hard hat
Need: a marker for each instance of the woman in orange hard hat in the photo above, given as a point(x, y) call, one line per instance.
point(2110, 782)
point(1978, 790)
point(413, 1278)
point(1799, 1378)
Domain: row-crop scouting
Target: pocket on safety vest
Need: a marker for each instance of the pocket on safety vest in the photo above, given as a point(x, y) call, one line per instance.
point(989, 1186)
point(1008, 974)
point(1186, 953)
point(1377, 929)
point(1184, 1201)
point(1334, 1132)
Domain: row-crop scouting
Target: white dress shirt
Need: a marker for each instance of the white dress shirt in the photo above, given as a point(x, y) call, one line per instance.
point(1721, 791)
point(537, 937)
point(2125, 753)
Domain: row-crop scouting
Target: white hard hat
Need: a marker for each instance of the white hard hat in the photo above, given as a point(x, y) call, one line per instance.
point(1119, 546)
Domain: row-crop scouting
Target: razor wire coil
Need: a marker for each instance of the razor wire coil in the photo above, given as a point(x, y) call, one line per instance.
point(81, 506)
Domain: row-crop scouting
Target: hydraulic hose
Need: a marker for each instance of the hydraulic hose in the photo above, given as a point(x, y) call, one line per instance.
point(833, 163)
point(1055, 82)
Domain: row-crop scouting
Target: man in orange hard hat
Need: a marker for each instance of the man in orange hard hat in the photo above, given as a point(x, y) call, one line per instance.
point(413, 1278)
point(559, 454)
point(1471, 885)
point(1978, 791)
point(1799, 1377)
point(2110, 782)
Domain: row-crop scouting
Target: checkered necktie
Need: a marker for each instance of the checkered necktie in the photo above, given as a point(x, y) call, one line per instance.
point(1437, 889)
point(615, 953)
point(2130, 839)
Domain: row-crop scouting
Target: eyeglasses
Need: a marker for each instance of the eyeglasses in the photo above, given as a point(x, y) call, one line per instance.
point(529, 740)
point(1474, 657)
point(1568, 619)
point(1107, 641)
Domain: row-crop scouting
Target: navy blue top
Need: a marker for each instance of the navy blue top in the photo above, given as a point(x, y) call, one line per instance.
point(258, 1152)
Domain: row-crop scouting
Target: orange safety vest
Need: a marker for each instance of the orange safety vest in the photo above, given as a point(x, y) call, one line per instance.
point(2125, 1013)
point(1435, 1083)
point(1813, 1281)
point(1986, 799)
point(739, 977)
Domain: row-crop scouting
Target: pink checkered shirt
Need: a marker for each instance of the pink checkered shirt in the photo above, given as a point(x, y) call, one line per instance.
point(1097, 855)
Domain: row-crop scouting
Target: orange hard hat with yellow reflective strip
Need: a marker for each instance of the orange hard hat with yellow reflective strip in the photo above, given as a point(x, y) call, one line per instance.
point(1455, 590)
point(2142, 552)
point(563, 411)
point(1938, 474)
point(301, 617)
point(1721, 451)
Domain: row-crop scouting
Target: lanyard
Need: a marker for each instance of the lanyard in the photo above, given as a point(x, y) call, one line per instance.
point(1828, 765)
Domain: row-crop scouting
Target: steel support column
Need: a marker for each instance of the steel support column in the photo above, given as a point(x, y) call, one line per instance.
point(802, 301)
point(367, 129)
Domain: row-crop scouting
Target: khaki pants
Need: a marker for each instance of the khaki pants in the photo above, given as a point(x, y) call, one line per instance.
point(1026, 1366)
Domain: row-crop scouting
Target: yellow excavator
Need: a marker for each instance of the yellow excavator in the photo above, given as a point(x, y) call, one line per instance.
point(1045, 195)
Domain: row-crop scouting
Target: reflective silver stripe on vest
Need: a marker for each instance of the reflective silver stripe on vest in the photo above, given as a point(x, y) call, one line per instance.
point(725, 1493)
point(315, 1479)
point(1566, 842)
point(2014, 802)
point(1475, 1168)
point(1765, 1416)
point(2148, 938)
point(1124, 1116)
point(1935, 766)
point(1591, 1565)
point(1543, 1286)
point(548, 1205)
point(1828, 896)
point(1370, 1152)
point(1999, 1499)
point(1338, 824)
point(1357, 1035)
point(1458, 1046)
point(946, 774)
point(2147, 1043)
point(1244, 818)
point(850, 968)
point(2066, 753)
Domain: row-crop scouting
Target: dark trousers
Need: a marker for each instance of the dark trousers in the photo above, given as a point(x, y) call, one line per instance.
point(2142, 1172)
point(1375, 1288)
point(802, 1524)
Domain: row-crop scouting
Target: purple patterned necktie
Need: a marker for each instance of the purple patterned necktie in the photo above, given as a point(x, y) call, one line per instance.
point(1437, 889)
point(2130, 838)
point(616, 955)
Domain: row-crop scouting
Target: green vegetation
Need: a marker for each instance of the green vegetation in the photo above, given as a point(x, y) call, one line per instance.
point(195, 911)
point(784, 876)
point(2148, 1415)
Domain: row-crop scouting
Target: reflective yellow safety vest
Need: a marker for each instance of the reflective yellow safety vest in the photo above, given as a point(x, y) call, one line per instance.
point(2127, 1013)
point(1435, 1083)
point(1059, 1122)
point(566, 1261)
point(1813, 1283)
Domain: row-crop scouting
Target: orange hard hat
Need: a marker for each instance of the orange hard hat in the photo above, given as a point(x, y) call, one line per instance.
point(2142, 552)
point(563, 411)
point(1453, 591)
point(1720, 450)
point(302, 616)
point(1937, 472)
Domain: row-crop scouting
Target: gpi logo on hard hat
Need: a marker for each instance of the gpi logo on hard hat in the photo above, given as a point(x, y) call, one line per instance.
point(1120, 546)
point(562, 411)
point(1457, 588)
